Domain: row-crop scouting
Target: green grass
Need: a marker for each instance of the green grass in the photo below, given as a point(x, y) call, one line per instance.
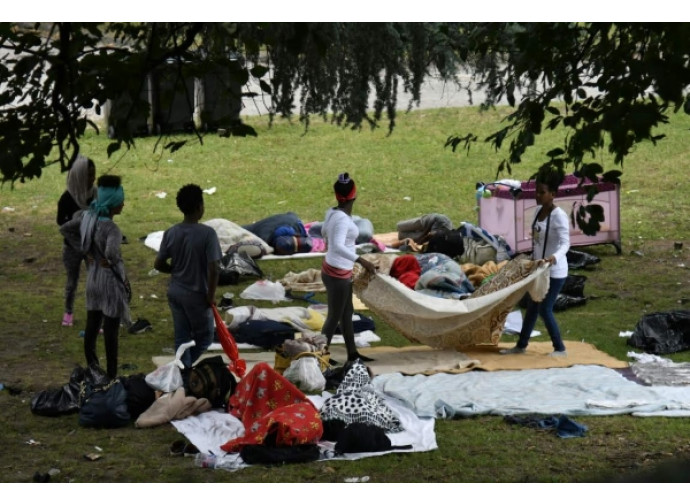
point(399, 176)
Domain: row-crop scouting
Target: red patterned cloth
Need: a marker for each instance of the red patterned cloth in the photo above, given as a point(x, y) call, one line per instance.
point(267, 404)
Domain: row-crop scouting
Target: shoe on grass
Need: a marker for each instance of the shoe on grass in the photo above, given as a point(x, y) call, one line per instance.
point(140, 326)
point(67, 320)
point(510, 351)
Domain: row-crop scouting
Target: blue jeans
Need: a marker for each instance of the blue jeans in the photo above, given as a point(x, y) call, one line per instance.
point(192, 321)
point(545, 309)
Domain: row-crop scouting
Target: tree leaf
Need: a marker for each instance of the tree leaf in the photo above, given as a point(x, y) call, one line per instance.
point(113, 147)
point(258, 71)
point(175, 146)
point(265, 86)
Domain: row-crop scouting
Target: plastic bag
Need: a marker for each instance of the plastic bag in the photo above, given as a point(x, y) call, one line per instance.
point(234, 265)
point(265, 290)
point(306, 375)
point(579, 260)
point(662, 332)
point(237, 365)
point(62, 401)
point(168, 377)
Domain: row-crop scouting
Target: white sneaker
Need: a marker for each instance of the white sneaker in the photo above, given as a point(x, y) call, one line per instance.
point(562, 353)
point(509, 351)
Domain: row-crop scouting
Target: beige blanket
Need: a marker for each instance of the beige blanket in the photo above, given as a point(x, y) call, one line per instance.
point(452, 323)
point(426, 360)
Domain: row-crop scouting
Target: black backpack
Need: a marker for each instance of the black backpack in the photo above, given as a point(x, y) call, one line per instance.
point(211, 379)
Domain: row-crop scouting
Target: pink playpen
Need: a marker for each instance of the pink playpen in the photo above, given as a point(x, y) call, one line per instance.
point(509, 213)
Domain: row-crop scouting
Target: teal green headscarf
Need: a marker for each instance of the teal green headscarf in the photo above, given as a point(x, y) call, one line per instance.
point(108, 198)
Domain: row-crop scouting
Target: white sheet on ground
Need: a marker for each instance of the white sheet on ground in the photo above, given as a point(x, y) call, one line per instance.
point(228, 233)
point(577, 390)
point(362, 340)
point(208, 431)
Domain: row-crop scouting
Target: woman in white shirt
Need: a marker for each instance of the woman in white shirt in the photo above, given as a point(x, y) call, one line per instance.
point(340, 233)
point(551, 241)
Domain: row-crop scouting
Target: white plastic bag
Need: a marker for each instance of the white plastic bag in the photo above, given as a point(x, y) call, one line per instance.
point(306, 375)
point(265, 290)
point(168, 377)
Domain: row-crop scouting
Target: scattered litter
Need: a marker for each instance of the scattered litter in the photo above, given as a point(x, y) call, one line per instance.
point(8, 209)
point(154, 296)
point(45, 321)
point(161, 194)
point(32, 442)
point(210, 190)
point(29, 235)
point(637, 253)
point(98, 448)
point(625, 334)
point(355, 479)
point(282, 202)
point(54, 471)
point(92, 456)
point(632, 191)
point(170, 160)
point(681, 265)
point(407, 198)
point(154, 272)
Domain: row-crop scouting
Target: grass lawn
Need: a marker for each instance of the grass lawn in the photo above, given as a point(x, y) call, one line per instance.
point(399, 176)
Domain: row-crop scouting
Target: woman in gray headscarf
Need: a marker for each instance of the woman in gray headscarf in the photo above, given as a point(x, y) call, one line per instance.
point(79, 193)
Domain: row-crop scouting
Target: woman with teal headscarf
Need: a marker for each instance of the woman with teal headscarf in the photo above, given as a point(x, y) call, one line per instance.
point(107, 301)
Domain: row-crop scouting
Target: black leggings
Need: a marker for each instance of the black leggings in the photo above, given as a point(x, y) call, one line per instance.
point(111, 327)
point(340, 309)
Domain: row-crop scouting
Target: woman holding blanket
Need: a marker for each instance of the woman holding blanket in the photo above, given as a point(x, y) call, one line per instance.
point(340, 233)
point(551, 241)
point(107, 299)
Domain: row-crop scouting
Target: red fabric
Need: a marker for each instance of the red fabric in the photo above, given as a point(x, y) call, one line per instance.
point(406, 269)
point(335, 272)
point(237, 366)
point(350, 196)
point(268, 403)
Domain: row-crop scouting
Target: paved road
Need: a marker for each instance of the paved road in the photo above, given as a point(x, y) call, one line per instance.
point(434, 94)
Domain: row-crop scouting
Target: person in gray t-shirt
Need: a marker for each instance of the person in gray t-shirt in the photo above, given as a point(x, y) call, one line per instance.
point(191, 253)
